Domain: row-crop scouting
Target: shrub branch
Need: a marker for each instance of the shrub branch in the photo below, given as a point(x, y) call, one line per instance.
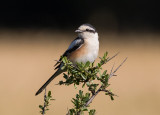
point(100, 89)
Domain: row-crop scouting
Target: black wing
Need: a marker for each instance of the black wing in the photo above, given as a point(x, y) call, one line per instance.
point(75, 44)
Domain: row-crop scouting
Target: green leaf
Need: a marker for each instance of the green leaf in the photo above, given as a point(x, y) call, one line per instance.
point(87, 64)
point(80, 93)
point(49, 93)
point(88, 84)
point(85, 99)
point(87, 95)
point(92, 112)
point(99, 65)
point(65, 76)
point(107, 78)
point(106, 93)
point(85, 109)
point(72, 111)
point(41, 107)
point(75, 86)
point(83, 85)
point(83, 76)
point(60, 82)
point(112, 98)
point(104, 72)
point(63, 60)
point(73, 101)
point(63, 67)
point(92, 64)
point(105, 54)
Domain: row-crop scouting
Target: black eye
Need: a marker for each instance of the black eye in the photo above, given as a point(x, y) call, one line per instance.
point(87, 29)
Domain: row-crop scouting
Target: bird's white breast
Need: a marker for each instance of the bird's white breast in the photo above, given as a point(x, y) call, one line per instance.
point(92, 49)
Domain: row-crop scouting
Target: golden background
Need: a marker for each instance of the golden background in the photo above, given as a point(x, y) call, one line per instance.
point(27, 59)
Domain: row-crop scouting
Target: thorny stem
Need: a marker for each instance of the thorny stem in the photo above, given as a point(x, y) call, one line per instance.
point(112, 57)
point(112, 73)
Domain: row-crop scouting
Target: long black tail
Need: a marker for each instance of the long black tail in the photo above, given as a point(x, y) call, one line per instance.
point(59, 71)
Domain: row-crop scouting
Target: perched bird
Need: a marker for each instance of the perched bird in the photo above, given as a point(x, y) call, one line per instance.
point(84, 48)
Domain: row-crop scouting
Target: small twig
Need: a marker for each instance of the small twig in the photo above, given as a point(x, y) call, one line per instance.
point(112, 73)
point(44, 102)
point(108, 59)
point(109, 92)
point(100, 89)
point(112, 68)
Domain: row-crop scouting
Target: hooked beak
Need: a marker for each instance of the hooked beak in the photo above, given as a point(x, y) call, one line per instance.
point(78, 31)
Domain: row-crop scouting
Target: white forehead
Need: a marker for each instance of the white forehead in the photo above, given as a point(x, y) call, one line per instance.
point(84, 27)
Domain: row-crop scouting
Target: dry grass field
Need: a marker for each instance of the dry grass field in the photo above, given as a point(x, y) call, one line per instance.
point(27, 59)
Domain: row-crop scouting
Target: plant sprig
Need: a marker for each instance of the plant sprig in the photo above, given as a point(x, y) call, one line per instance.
point(47, 99)
point(88, 75)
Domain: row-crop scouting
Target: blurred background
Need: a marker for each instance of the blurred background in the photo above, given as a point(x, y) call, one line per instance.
point(35, 33)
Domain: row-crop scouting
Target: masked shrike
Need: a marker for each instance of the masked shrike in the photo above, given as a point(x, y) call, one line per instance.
point(84, 48)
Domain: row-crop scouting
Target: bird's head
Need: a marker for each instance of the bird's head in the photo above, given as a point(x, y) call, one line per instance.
point(86, 31)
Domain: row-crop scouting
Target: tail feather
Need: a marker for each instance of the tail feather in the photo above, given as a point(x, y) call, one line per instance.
point(59, 71)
